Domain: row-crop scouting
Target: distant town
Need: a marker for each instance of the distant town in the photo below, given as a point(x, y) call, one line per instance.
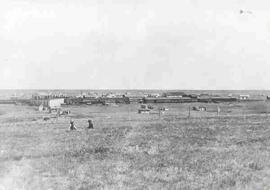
point(51, 100)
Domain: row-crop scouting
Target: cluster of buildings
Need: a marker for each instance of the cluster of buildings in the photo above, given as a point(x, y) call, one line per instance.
point(54, 101)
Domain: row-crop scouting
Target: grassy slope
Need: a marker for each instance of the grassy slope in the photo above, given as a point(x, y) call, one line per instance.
point(131, 151)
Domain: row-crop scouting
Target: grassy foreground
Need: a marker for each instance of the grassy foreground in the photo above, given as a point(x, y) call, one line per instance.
point(126, 150)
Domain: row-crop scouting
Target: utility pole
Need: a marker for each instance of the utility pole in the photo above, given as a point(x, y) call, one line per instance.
point(218, 110)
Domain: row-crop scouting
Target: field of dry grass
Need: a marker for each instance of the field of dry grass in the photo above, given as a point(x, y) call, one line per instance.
point(127, 150)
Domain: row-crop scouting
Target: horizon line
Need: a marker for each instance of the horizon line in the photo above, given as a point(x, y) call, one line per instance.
point(128, 89)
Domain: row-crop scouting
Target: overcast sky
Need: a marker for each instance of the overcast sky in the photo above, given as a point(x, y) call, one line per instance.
point(135, 44)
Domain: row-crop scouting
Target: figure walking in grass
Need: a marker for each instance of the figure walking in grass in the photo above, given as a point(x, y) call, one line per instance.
point(90, 124)
point(72, 125)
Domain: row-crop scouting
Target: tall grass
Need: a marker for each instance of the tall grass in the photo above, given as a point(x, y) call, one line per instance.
point(126, 150)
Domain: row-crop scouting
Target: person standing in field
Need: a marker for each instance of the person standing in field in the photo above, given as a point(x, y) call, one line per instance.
point(72, 125)
point(90, 124)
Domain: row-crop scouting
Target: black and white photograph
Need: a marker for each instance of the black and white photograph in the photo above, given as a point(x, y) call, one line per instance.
point(134, 95)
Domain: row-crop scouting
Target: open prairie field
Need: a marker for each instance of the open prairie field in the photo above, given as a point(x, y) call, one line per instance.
point(127, 150)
